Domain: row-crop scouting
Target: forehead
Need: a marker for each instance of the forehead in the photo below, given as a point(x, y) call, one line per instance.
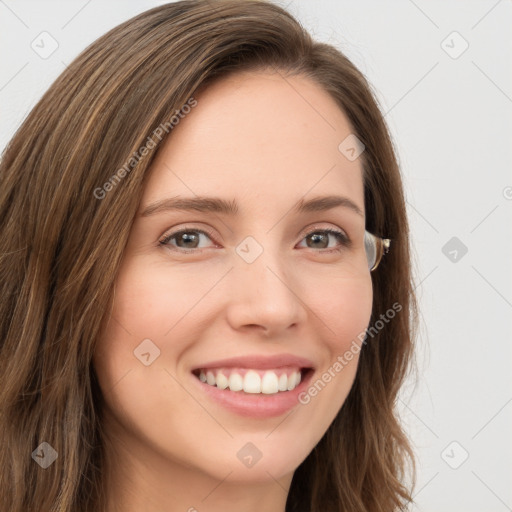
point(261, 137)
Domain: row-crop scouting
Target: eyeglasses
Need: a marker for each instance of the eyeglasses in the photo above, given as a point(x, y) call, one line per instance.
point(375, 248)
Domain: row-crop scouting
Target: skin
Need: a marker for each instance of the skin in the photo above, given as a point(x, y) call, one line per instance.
point(266, 141)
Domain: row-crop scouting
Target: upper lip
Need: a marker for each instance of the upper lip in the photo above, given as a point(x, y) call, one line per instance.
point(259, 362)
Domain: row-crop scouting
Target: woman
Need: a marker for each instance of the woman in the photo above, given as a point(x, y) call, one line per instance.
point(201, 306)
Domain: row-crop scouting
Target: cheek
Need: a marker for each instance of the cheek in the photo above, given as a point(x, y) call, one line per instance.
point(345, 308)
point(141, 398)
point(150, 301)
point(152, 312)
point(140, 313)
point(353, 314)
point(345, 312)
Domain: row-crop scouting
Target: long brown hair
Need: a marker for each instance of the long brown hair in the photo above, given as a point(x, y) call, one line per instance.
point(64, 223)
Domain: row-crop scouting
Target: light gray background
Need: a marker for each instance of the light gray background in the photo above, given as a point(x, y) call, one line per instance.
point(451, 122)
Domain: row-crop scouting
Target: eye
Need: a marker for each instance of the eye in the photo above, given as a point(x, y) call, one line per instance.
point(188, 239)
point(320, 237)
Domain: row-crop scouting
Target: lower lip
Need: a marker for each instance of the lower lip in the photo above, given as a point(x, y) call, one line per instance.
point(256, 405)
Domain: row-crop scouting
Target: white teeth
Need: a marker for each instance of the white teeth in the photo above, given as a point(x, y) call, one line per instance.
point(291, 381)
point(269, 383)
point(210, 378)
point(222, 381)
point(251, 382)
point(236, 382)
point(283, 382)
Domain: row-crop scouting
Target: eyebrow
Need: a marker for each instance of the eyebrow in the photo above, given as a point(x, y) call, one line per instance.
point(218, 205)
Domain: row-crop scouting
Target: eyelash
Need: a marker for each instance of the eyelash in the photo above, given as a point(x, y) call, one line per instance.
point(342, 237)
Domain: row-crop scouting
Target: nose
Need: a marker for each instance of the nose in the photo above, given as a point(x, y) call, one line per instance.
point(263, 296)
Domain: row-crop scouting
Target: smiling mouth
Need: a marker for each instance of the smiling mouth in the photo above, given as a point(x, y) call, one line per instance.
point(253, 381)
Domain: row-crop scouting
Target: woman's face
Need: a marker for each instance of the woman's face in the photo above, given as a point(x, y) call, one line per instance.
point(266, 283)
